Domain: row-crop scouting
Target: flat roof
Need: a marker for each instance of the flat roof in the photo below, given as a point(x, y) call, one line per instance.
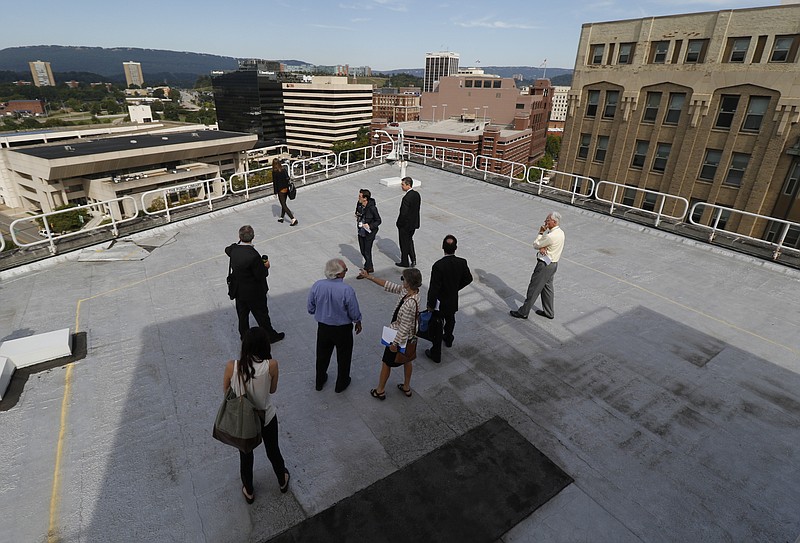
point(667, 386)
point(124, 143)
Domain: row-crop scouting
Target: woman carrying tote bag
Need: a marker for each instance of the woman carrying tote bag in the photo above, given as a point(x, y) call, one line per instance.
point(258, 371)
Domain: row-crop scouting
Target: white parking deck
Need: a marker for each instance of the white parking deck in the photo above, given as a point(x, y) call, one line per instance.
point(668, 385)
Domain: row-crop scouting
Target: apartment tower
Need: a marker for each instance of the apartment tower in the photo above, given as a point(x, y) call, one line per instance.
point(42, 74)
point(438, 65)
point(705, 106)
point(133, 74)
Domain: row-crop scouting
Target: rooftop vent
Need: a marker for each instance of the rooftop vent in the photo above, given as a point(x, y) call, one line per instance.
point(133, 141)
point(165, 138)
point(69, 148)
point(195, 135)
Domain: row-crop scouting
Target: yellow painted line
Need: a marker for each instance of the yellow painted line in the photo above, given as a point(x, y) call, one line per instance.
point(633, 285)
point(55, 493)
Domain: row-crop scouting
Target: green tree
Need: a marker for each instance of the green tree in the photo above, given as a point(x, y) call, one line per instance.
point(68, 221)
point(553, 146)
point(203, 82)
point(175, 95)
point(172, 112)
point(158, 93)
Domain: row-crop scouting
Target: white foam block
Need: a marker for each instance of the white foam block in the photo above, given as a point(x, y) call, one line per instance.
point(395, 182)
point(6, 371)
point(27, 351)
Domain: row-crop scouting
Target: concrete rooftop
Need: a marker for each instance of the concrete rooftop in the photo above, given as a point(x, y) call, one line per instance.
point(668, 385)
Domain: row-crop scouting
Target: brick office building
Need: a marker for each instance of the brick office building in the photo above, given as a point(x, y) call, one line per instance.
point(705, 106)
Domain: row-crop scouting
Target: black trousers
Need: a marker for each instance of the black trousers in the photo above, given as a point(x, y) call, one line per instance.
point(284, 208)
point(269, 434)
point(441, 329)
point(260, 311)
point(329, 337)
point(405, 238)
point(365, 245)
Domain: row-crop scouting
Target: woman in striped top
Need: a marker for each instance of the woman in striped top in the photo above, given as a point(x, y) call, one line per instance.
point(404, 321)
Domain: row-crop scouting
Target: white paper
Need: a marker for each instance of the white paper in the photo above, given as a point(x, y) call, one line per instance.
point(389, 335)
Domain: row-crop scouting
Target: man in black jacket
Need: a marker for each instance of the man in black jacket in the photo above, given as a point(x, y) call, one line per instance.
point(248, 273)
point(448, 275)
point(408, 223)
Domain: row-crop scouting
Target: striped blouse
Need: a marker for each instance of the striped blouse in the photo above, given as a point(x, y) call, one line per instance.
point(406, 323)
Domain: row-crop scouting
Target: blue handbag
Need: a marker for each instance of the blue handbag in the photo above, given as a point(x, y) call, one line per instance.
point(424, 320)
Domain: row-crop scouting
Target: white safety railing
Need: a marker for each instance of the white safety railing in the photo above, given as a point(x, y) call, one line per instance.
point(419, 149)
point(457, 157)
point(2, 243)
point(306, 166)
point(50, 237)
point(344, 157)
point(282, 149)
point(717, 216)
point(245, 177)
point(661, 199)
point(486, 161)
point(551, 179)
point(382, 150)
point(165, 192)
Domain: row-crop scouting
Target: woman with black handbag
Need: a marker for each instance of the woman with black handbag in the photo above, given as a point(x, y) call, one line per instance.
point(256, 374)
point(280, 184)
point(404, 321)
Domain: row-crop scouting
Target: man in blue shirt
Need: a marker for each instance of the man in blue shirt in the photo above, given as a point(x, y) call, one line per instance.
point(335, 308)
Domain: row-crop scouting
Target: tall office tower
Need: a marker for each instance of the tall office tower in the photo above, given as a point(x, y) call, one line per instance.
point(133, 74)
point(703, 106)
point(559, 111)
point(250, 99)
point(42, 74)
point(438, 65)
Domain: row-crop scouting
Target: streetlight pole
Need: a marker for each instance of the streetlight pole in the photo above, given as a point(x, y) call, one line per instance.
point(444, 111)
point(476, 114)
point(484, 113)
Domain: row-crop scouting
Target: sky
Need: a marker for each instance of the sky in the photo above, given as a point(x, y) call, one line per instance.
point(382, 34)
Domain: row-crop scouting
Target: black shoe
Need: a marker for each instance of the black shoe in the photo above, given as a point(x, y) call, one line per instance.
point(517, 315)
point(285, 486)
point(448, 343)
point(276, 337)
point(543, 314)
point(321, 384)
point(280, 220)
point(430, 355)
point(342, 388)
point(414, 264)
point(401, 265)
point(294, 222)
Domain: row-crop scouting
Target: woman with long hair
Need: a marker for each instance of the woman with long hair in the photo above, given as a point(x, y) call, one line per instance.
point(404, 321)
point(280, 184)
point(256, 373)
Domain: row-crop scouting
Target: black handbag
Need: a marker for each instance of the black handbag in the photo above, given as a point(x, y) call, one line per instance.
point(292, 191)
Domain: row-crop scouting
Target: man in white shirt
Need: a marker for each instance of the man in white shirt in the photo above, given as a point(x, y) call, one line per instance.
point(548, 244)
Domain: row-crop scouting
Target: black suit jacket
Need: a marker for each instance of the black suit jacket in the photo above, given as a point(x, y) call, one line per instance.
point(249, 276)
point(409, 211)
point(448, 275)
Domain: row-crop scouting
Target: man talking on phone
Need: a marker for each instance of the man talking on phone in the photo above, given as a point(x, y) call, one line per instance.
point(548, 245)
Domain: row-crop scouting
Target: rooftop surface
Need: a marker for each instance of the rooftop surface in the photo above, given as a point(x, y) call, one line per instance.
point(667, 387)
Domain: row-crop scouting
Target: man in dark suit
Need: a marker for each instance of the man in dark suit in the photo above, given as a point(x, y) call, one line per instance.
point(407, 224)
point(448, 275)
point(248, 273)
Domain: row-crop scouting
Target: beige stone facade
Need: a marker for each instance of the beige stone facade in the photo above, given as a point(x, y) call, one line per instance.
point(705, 106)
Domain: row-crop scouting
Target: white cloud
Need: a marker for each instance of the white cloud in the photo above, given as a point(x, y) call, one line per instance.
point(487, 23)
point(331, 27)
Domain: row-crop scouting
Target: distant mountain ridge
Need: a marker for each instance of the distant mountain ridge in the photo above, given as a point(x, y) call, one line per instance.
point(171, 67)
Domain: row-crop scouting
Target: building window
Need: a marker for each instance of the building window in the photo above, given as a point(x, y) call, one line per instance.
point(612, 97)
point(602, 147)
point(468, 83)
point(651, 107)
point(756, 110)
point(736, 171)
point(596, 54)
point(658, 53)
point(727, 109)
point(775, 231)
point(781, 48)
point(496, 84)
point(625, 53)
point(662, 156)
point(676, 100)
point(723, 214)
point(710, 164)
point(640, 154)
point(738, 49)
point(583, 149)
point(696, 51)
point(592, 103)
point(791, 183)
point(629, 197)
point(649, 203)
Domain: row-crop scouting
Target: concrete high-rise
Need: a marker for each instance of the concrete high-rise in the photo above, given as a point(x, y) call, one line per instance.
point(704, 106)
point(42, 74)
point(133, 74)
point(438, 65)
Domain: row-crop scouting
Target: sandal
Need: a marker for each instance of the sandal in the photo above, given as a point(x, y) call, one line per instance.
point(402, 387)
point(285, 486)
point(374, 393)
point(247, 498)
